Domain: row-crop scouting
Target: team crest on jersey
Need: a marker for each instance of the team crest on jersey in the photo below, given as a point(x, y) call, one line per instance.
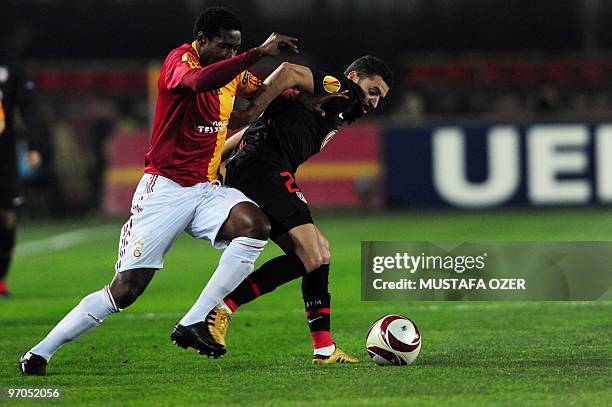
point(328, 138)
point(138, 249)
point(331, 84)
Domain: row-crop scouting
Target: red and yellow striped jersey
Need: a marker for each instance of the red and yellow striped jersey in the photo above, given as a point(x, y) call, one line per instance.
point(189, 128)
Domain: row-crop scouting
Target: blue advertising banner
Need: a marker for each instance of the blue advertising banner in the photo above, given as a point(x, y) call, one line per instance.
point(491, 166)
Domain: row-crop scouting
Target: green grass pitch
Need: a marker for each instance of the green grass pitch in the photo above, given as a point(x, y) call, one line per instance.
point(473, 354)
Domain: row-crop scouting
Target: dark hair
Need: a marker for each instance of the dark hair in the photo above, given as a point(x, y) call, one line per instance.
point(213, 19)
point(369, 65)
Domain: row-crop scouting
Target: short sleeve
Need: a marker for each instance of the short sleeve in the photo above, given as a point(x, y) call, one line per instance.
point(248, 85)
point(177, 66)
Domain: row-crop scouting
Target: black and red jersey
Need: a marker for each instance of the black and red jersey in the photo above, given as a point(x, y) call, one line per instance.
point(288, 134)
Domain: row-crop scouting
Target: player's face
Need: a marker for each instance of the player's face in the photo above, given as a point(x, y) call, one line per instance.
point(374, 89)
point(222, 46)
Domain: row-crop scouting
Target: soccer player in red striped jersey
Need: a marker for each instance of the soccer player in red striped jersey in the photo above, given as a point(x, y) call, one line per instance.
point(180, 191)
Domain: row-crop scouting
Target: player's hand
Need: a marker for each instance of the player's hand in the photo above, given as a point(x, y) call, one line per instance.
point(314, 102)
point(275, 42)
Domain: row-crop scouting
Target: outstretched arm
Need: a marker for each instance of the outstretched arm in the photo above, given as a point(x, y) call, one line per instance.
point(286, 76)
point(220, 73)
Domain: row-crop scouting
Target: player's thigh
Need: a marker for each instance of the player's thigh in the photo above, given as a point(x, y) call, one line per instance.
point(245, 219)
point(216, 205)
point(161, 209)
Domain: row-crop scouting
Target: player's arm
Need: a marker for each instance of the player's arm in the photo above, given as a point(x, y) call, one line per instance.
point(312, 102)
point(286, 76)
point(220, 73)
point(217, 75)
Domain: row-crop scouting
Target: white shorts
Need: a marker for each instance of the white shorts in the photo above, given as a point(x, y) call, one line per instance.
point(162, 209)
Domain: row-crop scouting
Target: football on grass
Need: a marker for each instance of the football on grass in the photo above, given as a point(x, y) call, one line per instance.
point(393, 340)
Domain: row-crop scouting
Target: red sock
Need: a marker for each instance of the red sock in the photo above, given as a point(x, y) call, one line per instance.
point(3, 287)
point(321, 339)
point(319, 324)
point(230, 304)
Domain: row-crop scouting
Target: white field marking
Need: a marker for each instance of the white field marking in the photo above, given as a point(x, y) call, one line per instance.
point(63, 240)
point(421, 308)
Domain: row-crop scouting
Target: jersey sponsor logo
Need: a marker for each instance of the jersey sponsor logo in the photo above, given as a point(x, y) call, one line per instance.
point(331, 84)
point(328, 138)
point(214, 127)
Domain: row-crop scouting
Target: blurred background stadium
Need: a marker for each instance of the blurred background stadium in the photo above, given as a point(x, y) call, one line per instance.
point(497, 103)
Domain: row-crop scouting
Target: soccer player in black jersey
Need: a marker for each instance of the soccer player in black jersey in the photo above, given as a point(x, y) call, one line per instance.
point(16, 94)
point(263, 163)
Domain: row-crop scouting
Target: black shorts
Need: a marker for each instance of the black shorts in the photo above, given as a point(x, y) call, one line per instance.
point(275, 191)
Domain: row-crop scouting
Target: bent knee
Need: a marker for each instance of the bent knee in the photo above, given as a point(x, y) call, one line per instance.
point(126, 294)
point(326, 252)
point(326, 258)
point(255, 227)
point(126, 297)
